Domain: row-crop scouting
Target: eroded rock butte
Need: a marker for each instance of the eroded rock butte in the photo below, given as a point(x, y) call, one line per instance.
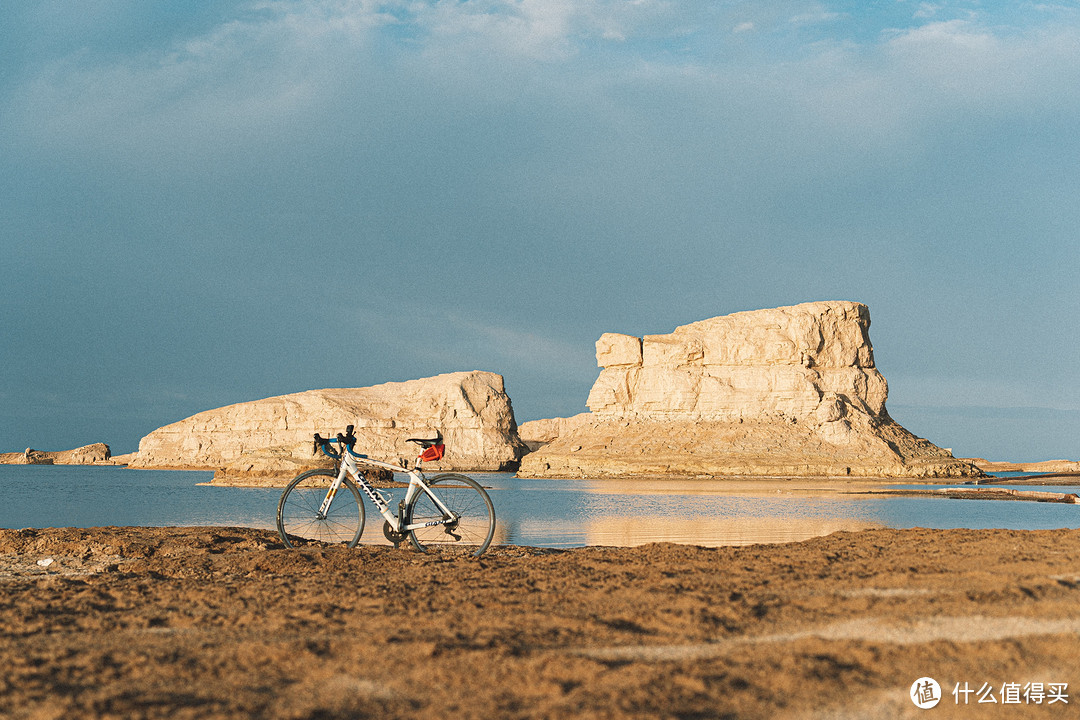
point(784, 391)
point(272, 438)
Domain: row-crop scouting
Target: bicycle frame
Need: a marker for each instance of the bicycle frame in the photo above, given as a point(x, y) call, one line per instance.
point(348, 466)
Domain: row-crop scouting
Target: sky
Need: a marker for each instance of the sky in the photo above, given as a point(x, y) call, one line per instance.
point(205, 203)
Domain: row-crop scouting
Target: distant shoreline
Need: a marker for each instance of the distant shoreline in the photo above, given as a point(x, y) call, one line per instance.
point(1046, 472)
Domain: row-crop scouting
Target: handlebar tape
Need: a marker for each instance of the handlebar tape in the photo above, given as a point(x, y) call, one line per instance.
point(347, 441)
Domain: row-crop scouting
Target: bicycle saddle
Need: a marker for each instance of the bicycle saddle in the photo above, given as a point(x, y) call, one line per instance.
point(427, 442)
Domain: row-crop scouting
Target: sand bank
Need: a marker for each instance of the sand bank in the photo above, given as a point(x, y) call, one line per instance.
point(225, 623)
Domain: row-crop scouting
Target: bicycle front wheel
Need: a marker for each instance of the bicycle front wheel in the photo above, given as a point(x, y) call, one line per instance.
point(298, 517)
point(473, 524)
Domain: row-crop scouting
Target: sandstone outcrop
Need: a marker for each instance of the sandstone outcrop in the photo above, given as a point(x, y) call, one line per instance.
point(537, 433)
point(29, 456)
point(1063, 467)
point(786, 391)
point(94, 453)
point(271, 439)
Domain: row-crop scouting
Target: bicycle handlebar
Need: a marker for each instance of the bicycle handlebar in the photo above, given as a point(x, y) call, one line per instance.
point(346, 440)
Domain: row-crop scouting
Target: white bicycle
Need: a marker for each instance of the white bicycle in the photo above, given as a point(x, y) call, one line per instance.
point(451, 512)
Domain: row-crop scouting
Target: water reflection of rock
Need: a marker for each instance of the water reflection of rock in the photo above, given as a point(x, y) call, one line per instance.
point(739, 487)
point(712, 532)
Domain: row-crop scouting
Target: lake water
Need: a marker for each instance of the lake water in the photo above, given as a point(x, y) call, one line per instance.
point(543, 513)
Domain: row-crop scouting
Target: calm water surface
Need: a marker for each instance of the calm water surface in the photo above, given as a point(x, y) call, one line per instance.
point(545, 513)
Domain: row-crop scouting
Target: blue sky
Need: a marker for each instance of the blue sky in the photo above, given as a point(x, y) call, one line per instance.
point(205, 203)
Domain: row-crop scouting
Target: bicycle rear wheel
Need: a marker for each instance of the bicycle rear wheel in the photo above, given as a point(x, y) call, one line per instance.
point(298, 511)
point(470, 534)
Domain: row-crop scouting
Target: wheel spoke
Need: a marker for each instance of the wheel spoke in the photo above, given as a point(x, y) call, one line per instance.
point(298, 510)
point(470, 533)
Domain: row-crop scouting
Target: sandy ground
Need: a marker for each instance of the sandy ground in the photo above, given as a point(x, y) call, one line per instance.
point(226, 623)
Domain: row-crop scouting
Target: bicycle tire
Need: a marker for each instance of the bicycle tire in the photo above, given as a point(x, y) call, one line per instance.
point(298, 509)
point(471, 535)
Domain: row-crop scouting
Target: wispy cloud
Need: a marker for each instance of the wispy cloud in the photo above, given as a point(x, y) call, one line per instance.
point(524, 347)
point(449, 336)
point(927, 10)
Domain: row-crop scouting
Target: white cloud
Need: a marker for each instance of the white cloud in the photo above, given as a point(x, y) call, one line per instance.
point(813, 16)
point(271, 73)
point(450, 337)
point(927, 10)
point(255, 74)
point(243, 79)
point(961, 63)
point(520, 345)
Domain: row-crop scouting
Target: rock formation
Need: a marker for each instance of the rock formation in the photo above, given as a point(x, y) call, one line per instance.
point(538, 433)
point(94, 453)
point(786, 391)
point(272, 438)
point(1050, 467)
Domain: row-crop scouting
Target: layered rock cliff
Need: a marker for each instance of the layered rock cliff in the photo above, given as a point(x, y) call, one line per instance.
point(787, 391)
point(273, 437)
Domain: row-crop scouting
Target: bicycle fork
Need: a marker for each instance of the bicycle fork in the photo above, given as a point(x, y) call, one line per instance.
point(334, 487)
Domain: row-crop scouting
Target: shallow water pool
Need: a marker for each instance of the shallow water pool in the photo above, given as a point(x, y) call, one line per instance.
point(544, 513)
